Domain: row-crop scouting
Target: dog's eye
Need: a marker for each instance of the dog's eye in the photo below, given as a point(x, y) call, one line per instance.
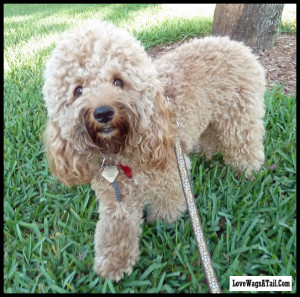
point(118, 82)
point(78, 91)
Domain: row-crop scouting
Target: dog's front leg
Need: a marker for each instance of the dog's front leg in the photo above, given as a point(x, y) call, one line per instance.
point(165, 194)
point(118, 230)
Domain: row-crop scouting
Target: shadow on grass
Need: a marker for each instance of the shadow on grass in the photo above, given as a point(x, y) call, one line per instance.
point(21, 16)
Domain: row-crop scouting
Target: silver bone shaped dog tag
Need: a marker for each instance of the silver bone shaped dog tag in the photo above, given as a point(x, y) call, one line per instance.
point(110, 173)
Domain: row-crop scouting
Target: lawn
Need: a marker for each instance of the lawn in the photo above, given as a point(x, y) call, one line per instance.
point(250, 226)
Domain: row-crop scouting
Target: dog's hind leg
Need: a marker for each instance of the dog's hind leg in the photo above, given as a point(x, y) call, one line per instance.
point(242, 145)
point(208, 143)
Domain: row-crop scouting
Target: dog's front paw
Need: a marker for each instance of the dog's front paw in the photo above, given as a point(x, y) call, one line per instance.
point(116, 248)
point(112, 268)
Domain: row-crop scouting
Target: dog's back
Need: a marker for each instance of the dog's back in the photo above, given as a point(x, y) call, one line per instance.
point(217, 86)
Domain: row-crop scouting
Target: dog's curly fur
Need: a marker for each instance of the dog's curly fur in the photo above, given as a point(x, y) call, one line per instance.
point(217, 89)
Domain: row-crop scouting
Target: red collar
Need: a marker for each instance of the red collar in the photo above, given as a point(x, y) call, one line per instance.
point(127, 170)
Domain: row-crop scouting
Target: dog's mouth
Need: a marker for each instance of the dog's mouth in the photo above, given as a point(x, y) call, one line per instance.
point(110, 137)
point(107, 130)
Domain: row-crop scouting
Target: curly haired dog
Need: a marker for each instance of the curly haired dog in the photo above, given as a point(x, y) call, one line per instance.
point(106, 102)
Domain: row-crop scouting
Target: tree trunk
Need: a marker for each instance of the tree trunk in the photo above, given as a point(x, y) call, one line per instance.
point(257, 25)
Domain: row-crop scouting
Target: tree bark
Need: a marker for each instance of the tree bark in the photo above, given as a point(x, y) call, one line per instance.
point(257, 25)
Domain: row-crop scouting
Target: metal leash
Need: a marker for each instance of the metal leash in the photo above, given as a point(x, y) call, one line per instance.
point(205, 257)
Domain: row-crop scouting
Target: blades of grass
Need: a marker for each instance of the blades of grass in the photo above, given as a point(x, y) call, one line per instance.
point(175, 273)
point(228, 233)
point(75, 215)
point(8, 210)
point(194, 280)
point(161, 282)
point(243, 229)
point(21, 282)
point(184, 286)
point(77, 262)
point(292, 241)
point(36, 284)
point(84, 204)
point(32, 226)
point(289, 267)
point(150, 269)
point(233, 241)
point(159, 286)
point(46, 227)
point(168, 289)
point(251, 227)
point(278, 241)
point(39, 244)
point(27, 249)
point(238, 251)
point(178, 254)
point(69, 278)
point(92, 284)
point(57, 289)
point(47, 276)
point(285, 156)
point(66, 246)
point(18, 232)
point(111, 286)
point(137, 283)
point(12, 269)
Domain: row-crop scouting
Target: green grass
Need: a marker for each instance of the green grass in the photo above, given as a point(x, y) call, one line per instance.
point(288, 20)
point(48, 228)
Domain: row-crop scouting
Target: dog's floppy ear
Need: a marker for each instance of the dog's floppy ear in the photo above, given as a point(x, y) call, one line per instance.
point(65, 162)
point(157, 147)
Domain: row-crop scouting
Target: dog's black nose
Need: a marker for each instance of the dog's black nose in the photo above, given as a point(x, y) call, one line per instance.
point(104, 114)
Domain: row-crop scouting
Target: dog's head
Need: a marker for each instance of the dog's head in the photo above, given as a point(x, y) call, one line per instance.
point(103, 99)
